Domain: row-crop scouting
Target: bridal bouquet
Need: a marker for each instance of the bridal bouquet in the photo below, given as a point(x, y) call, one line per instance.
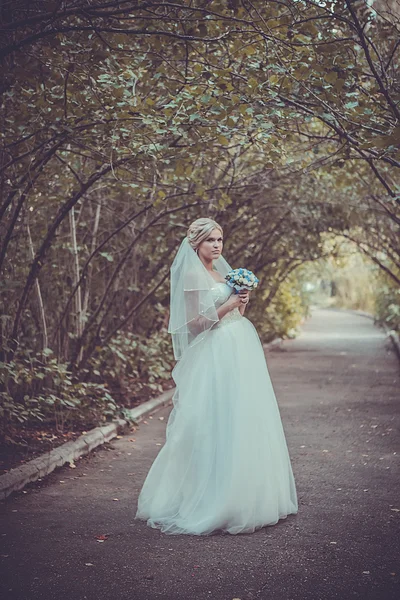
point(241, 279)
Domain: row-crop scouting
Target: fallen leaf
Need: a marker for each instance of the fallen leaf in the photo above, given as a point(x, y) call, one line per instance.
point(132, 440)
point(102, 537)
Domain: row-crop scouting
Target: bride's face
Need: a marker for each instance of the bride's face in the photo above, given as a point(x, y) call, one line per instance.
point(211, 247)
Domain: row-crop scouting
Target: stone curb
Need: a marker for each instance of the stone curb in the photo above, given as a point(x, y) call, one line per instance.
point(16, 479)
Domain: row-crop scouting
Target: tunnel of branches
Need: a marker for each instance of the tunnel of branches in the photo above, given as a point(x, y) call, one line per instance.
point(124, 121)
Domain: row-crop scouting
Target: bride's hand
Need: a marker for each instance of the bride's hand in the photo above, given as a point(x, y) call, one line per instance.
point(244, 296)
point(236, 300)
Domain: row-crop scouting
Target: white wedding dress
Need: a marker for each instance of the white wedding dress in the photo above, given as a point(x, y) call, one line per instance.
point(225, 464)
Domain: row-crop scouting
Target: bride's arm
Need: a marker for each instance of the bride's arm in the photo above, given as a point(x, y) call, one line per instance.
point(230, 304)
point(196, 322)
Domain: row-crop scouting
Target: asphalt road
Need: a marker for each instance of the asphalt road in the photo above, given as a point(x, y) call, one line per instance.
point(338, 392)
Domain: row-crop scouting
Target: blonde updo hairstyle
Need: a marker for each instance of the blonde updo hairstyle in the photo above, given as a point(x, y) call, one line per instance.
point(199, 231)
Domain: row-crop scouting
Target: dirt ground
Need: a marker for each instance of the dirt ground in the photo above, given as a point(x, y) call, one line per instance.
point(338, 390)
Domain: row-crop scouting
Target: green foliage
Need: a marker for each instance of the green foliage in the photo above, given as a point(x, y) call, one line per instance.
point(283, 315)
point(43, 391)
point(134, 366)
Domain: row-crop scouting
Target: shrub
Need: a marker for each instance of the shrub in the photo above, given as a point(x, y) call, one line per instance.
point(36, 389)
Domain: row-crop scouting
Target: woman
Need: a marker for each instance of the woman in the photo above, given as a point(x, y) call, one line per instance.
point(225, 464)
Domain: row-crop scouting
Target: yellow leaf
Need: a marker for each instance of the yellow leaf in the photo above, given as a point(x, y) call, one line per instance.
point(180, 169)
point(339, 84)
point(302, 73)
point(223, 140)
point(252, 82)
point(249, 50)
point(331, 77)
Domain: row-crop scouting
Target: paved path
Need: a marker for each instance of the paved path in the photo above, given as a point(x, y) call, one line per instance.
point(337, 386)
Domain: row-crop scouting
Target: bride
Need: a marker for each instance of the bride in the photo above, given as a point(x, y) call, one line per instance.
point(225, 464)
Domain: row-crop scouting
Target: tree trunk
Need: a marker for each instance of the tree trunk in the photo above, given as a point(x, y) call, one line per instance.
point(78, 295)
point(39, 294)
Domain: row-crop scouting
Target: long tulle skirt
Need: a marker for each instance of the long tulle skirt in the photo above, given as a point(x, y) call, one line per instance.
point(225, 464)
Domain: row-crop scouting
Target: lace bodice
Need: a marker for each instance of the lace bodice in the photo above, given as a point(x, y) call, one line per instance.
point(221, 292)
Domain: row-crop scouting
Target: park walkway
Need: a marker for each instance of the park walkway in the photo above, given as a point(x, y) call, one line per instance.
point(338, 391)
